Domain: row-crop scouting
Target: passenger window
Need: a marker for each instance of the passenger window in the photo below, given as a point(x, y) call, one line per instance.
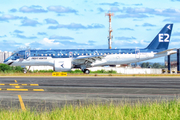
point(45, 54)
point(41, 54)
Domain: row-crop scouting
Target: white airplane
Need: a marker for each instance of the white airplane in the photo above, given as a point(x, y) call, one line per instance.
point(66, 59)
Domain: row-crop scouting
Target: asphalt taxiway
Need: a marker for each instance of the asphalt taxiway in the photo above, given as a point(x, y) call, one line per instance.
point(50, 92)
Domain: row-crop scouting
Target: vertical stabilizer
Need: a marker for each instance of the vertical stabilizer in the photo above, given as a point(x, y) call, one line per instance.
point(161, 41)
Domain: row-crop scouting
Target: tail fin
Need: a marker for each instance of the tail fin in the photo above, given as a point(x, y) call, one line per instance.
point(161, 41)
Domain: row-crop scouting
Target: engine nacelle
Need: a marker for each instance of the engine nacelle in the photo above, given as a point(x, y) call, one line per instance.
point(62, 65)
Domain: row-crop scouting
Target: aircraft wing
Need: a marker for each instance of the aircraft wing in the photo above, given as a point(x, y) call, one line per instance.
point(91, 59)
point(168, 52)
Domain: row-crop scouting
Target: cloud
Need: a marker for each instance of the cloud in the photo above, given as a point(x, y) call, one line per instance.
point(173, 19)
point(29, 22)
point(176, 34)
point(6, 17)
point(24, 37)
point(91, 42)
point(3, 36)
point(160, 12)
point(41, 33)
point(76, 26)
point(140, 4)
point(51, 21)
point(61, 37)
point(18, 31)
point(140, 12)
point(129, 43)
point(148, 25)
point(47, 43)
point(111, 4)
point(132, 16)
point(64, 44)
point(13, 10)
point(125, 38)
point(125, 29)
point(70, 44)
point(32, 9)
point(175, 0)
point(35, 45)
point(101, 10)
point(62, 9)
point(115, 9)
point(12, 45)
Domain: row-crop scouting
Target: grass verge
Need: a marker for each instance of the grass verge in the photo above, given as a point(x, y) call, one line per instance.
point(147, 111)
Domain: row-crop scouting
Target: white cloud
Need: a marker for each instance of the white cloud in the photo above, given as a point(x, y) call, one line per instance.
point(48, 42)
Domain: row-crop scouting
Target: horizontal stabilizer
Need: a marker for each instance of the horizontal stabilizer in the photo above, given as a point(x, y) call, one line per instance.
point(169, 51)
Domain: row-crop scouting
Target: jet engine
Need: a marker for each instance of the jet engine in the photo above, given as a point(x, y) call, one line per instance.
point(62, 65)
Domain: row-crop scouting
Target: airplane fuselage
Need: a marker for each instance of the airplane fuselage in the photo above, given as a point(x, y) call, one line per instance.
point(111, 56)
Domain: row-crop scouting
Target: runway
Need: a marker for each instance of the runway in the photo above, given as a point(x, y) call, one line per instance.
point(50, 92)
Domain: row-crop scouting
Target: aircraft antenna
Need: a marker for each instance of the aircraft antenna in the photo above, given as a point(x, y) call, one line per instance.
point(110, 30)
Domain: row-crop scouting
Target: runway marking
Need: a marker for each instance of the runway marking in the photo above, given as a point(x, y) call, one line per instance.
point(34, 84)
point(20, 84)
point(16, 89)
point(9, 89)
point(17, 86)
point(21, 103)
point(38, 89)
point(15, 81)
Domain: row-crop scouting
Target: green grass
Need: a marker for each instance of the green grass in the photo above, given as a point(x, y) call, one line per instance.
point(138, 111)
point(98, 71)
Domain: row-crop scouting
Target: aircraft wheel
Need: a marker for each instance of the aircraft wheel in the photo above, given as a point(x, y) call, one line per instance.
point(86, 71)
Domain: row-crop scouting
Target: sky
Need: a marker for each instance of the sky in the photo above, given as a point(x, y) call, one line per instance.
point(80, 24)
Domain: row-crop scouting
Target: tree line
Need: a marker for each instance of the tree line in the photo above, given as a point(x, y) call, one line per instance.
point(151, 65)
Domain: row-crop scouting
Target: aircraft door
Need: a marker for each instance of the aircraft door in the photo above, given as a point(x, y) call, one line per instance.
point(137, 53)
point(70, 54)
point(27, 54)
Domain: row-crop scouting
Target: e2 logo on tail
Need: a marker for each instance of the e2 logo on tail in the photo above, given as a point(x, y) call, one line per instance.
point(163, 37)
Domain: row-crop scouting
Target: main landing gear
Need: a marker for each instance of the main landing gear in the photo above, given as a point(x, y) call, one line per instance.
point(86, 71)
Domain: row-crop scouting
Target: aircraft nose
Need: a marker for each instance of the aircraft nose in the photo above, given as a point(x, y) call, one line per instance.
point(8, 62)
